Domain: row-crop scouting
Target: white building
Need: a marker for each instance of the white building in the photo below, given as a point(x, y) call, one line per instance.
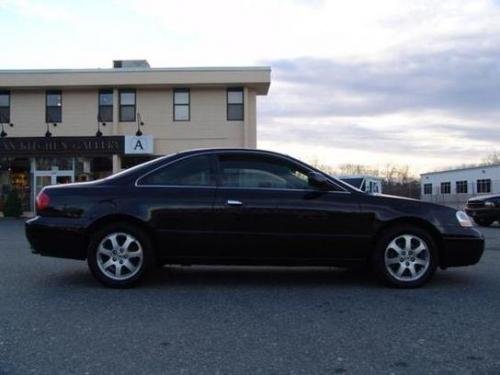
point(454, 187)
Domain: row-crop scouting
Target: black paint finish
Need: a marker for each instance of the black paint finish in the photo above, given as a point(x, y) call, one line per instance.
point(334, 224)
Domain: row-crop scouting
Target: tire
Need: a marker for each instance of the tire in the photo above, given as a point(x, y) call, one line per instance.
point(398, 264)
point(119, 255)
point(483, 222)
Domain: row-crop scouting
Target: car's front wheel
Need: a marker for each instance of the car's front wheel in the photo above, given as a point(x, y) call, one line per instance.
point(119, 255)
point(405, 257)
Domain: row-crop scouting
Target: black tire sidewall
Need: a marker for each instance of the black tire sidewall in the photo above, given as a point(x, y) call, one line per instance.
point(483, 222)
point(133, 230)
point(378, 258)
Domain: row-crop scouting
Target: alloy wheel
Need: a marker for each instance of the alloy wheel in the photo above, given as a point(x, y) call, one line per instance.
point(407, 257)
point(119, 256)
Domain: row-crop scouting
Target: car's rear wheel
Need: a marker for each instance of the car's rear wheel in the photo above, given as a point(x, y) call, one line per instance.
point(405, 257)
point(483, 222)
point(119, 255)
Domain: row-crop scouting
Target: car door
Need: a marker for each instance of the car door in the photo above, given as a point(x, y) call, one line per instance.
point(180, 198)
point(246, 206)
point(267, 207)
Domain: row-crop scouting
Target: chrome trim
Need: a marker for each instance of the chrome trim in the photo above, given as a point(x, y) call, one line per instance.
point(232, 202)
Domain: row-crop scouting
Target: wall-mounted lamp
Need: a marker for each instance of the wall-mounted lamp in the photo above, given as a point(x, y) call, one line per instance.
point(3, 133)
point(99, 124)
point(48, 133)
point(139, 124)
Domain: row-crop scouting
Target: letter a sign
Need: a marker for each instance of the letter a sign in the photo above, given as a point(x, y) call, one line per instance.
point(139, 145)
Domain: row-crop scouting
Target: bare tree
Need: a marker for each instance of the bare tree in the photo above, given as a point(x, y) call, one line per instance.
point(492, 158)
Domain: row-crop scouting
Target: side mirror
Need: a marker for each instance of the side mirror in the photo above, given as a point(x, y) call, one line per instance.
point(319, 181)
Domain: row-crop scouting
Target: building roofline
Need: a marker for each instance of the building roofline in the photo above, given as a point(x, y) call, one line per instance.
point(137, 70)
point(461, 169)
point(257, 78)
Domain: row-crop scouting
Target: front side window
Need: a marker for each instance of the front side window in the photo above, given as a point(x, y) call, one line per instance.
point(235, 110)
point(484, 185)
point(182, 109)
point(127, 105)
point(461, 187)
point(4, 107)
point(427, 188)
point(105, 113)
point(249, 171)
point(445, 187)
point(194, 171)
point(53, 106)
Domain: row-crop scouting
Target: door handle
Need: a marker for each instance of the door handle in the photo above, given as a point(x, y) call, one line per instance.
point(232, 202)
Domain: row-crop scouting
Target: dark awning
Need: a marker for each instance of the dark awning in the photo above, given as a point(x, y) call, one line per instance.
point(70, 146)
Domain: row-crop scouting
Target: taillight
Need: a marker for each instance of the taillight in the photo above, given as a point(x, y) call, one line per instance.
point(42, 201)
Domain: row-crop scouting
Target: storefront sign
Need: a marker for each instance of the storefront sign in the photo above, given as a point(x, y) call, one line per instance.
point(139, 145)
point(39, 146)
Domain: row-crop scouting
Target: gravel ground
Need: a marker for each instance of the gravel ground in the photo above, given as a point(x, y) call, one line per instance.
point(55, 319)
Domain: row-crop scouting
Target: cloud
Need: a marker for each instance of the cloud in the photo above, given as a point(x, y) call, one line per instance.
point(460, 82)
point(437, 107)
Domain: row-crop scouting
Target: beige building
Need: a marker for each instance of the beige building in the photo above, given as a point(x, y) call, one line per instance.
point(60, 126)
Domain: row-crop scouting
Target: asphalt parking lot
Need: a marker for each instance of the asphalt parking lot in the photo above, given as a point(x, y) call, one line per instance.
point(54, 318)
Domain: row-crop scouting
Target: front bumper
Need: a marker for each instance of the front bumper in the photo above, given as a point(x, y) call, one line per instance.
point(462, 250)
point(483, 212)
point(56, 237)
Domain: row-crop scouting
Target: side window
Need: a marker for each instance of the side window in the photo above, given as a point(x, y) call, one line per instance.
point(53, 106)
point(484, 185)
point(194, 171)
point(182, 99)
point(445, 187)
point(248, 171)
point(235, 104)
point(127, 105)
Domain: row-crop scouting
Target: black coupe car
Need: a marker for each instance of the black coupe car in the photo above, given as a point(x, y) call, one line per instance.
point(244, 207)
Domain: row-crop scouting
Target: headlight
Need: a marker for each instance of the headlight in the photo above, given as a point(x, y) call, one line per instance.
point(489, 204)
point(463, 219)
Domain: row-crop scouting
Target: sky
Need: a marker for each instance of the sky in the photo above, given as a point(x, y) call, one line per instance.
point(366, 82)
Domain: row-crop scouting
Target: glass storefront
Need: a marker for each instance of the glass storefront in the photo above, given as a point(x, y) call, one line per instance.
point(15, 175)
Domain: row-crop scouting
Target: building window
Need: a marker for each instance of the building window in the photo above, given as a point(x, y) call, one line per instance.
point(461, 187)
point(235, 110)
point(4, 107)
point(445, 187)
point(182, 110)
point(484, 186)
point(427, 188)
point(105, 113)
point(127, 105)
point(53, 106)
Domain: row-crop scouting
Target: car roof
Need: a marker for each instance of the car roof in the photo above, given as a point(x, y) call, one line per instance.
point(243, 150)
point(155, 163)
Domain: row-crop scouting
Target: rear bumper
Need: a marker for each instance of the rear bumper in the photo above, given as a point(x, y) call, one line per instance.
point(462, 250)
point(56, 237)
